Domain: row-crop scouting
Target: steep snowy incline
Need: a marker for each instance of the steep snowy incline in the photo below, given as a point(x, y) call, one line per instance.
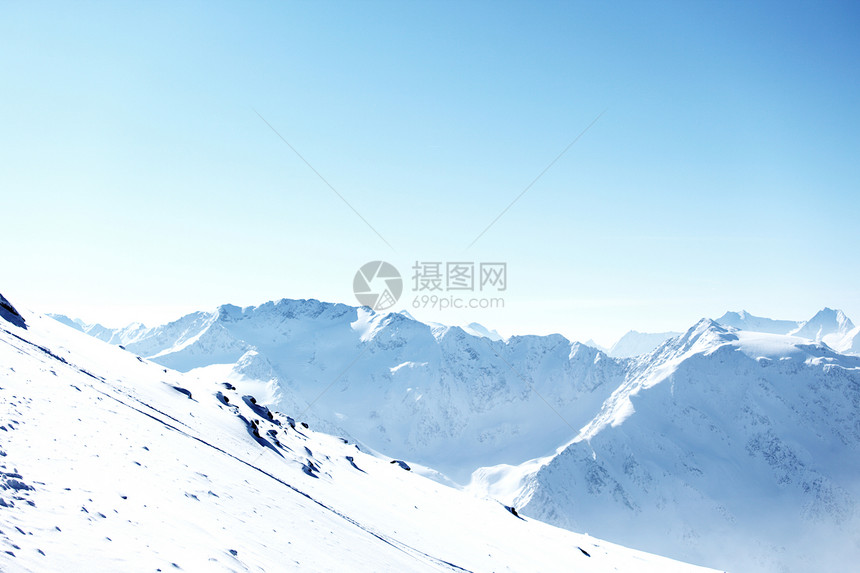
point(112, 463)
point(734, 449)
point(435, 395)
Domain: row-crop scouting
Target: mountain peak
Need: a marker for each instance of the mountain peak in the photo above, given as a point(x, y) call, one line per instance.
point(707, 326)
point(593, 344)
point(228, 312)
point(706, 333)
point(828, 313)
point(827, 325)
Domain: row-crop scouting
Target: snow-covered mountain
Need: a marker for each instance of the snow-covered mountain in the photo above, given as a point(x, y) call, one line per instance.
point(435, 395)
point(118, 336)
point(828, 325)
point(731, 448)
point(112, 463)
point(685, 436)
point(637, 343)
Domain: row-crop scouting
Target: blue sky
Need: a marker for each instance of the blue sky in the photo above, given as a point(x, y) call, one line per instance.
point(139, 182)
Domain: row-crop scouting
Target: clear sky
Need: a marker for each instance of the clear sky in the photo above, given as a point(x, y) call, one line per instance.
point(138, 182)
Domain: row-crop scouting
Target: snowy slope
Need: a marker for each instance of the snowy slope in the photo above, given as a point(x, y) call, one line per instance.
point(637, 343)
point(850, 344)
point(734, 449)
point(113, 463)
point(435, 395)
point(683, 436)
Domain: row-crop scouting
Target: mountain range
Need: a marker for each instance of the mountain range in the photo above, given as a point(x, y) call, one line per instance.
point(110, 462)
point(730, 444)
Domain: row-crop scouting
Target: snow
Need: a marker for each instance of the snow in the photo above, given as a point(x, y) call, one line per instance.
point(436, 396)
point(394, 369)
point(724, 435)
point(830, 326)
point(851, 342)
point(110, 462)
point(733, 449)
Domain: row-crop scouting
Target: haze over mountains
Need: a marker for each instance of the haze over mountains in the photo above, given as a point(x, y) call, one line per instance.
point(662, 451)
